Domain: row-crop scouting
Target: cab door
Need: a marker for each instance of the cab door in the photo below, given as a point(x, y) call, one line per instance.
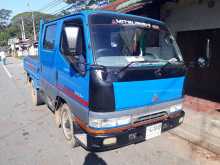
point(47, 57)
point(72, 81)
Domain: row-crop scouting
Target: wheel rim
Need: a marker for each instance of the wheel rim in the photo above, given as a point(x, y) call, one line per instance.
point(67, 126)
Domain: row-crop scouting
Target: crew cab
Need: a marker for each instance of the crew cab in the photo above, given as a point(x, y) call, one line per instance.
point(111, 79)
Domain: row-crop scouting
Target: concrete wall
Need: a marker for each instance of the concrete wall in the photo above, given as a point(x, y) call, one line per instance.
point(192, 17)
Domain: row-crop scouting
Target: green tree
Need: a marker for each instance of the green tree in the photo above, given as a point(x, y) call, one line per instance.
point(28, 24)
point(4, 18)
point(3, 38)
point(13, 28)
point(9, 32)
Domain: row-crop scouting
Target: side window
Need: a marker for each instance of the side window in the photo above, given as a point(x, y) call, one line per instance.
point(49, 37)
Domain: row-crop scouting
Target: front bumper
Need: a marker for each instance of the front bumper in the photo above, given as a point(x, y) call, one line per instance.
point(130, 136)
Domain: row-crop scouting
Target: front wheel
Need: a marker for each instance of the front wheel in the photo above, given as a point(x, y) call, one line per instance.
point(68, 125)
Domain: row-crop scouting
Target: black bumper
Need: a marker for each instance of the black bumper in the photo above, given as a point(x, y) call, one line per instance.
point(130, 136)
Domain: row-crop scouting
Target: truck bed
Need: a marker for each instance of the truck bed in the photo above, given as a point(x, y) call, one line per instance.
point(32, 67)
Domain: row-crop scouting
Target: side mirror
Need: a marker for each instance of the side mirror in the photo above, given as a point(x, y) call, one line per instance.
point(79, 64)
point(202, 62)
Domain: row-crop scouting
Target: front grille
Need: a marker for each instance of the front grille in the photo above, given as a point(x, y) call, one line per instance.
point(149, 117)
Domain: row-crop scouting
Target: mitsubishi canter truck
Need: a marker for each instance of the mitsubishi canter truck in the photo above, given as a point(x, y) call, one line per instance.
point(110, 79)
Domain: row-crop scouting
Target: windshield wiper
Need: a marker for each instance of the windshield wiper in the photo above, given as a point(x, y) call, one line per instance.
point(93, 66)
point(133, 62)
point(158, 71)
point(97, 67)
point(167, 64)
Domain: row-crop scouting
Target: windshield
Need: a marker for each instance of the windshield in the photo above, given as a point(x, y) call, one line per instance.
point(117, 42)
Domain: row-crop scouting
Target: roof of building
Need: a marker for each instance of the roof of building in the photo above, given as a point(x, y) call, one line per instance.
point(125, 5)
point(113, 5)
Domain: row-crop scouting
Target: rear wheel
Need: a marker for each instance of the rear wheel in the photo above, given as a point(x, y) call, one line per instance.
point(28, 80)
point(57, 117)
point(36, 97)
point(68, 125)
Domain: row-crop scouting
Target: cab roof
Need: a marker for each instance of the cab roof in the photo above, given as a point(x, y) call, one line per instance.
point(86, 13)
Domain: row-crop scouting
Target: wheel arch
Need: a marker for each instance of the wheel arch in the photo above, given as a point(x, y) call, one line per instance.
point(29, 79)
point(59, 102)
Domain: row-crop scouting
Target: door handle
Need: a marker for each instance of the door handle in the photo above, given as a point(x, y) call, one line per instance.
point(56, 75)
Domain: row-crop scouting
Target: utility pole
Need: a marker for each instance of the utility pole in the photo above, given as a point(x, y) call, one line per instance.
point(33, 22)
point(34, 29)
point(22, 29)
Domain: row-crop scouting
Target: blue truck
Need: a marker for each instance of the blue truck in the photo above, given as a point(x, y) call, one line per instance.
point(110, 79)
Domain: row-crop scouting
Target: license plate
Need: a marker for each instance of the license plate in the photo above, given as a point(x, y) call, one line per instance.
point(153, 131)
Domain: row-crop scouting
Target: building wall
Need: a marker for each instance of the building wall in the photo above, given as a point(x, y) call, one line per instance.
point(149, 10)
point(193, 24)
point(194, 16)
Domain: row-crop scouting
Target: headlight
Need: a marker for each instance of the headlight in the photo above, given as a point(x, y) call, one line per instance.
point(108, 123)
point(176, 107)
point(124, 120)
point(95, 123)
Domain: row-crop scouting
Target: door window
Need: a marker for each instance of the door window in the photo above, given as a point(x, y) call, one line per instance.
point(49, 38)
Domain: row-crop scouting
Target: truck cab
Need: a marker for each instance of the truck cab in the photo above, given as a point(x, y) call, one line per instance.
point(111, 79)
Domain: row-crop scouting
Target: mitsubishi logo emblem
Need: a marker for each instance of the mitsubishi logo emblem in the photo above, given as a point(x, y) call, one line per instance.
point(155, 98)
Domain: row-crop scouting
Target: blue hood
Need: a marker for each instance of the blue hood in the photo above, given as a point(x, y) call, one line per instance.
point(148, 92)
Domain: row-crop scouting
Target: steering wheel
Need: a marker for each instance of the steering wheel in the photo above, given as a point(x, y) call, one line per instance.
point(103, 51)
point(151, 55)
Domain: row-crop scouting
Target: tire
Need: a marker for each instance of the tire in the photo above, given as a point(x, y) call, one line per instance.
point(36, 97)
point(28, 82)
point(68, 125)
point(57, 117)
